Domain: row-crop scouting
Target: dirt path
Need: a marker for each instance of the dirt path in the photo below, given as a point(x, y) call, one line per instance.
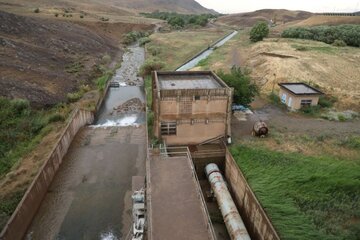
point(281, 120)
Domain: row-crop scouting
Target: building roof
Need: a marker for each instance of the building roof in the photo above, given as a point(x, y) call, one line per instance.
point(176, 210)
point(300, 89)
point(189, 80)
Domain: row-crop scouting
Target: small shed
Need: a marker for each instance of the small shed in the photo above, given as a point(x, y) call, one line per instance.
point(298, 95)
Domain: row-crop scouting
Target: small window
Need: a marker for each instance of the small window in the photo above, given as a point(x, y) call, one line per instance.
point(197, 97)
point(306, 102)
point(168, 128)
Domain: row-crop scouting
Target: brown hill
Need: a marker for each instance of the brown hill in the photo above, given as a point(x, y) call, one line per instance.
point(249, 19)
point(43, 59)
point(122, 6)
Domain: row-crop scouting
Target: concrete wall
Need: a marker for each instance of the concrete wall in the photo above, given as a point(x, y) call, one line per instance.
point(251, 211)
point(31, 201)
point(192, 134)
point(296, 99)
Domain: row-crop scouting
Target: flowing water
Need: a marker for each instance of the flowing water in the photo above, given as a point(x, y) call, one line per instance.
point(193, 62)
point(90, 197)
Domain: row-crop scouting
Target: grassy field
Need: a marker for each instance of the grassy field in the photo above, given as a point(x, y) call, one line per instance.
point(306, 197)
point(175, 48)
point(334, 69)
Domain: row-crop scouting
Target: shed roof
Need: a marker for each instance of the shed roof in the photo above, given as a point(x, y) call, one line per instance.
point(300, 89)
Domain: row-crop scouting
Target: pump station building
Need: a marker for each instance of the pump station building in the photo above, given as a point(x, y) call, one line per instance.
point(298, 95)
point(190, 107)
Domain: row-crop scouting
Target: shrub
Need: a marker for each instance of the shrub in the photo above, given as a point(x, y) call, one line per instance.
point(74, 97)
point(326, 101)
point(341, 118)
point(81, 16)
point(259, 31)
point(311, 110)
point(339, 43)
point(19, 105)
point(37, 10)
point(349, 34)
point(244, 89)
point(144, 40)
point(154, 50)
point(106, 59)
point(56, 14)
point(56, 117)
point(351, 142)
point(151, 65)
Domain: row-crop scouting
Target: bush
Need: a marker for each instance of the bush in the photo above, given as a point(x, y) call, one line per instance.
point(106, 59)
point(326, 101)
point(56, 14)
point(339, 43)
point(311, 110)
point(37, 10)
point(151, 65)
point(144, 40)
point(348, 34)
point(56, 117)
point(259, 31)
point(154, 50)
point(81, 16)
point(19, 105)
point(300, 48)
point(178, 21)
point(244, 89)
point(133, 36)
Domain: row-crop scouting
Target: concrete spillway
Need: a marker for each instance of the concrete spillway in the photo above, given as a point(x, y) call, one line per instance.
point(232, 218)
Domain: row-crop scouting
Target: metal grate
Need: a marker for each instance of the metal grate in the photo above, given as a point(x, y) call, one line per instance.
point(168, 128)
point(185, 105)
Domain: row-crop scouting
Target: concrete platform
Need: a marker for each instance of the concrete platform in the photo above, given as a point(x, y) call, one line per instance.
point(175, 207)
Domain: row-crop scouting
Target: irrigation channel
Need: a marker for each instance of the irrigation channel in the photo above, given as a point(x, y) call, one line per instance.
point(90, 196)
point(205, 53)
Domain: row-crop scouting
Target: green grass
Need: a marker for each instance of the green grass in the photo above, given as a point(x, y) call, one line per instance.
point(305, 197)
point(174, 47)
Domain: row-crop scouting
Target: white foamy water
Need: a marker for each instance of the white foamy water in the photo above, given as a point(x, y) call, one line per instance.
point(108, 236)
point(122, 122)
point(122, 84)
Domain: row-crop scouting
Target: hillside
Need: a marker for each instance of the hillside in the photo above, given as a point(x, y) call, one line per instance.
point(44, 59)
point(126, 7)
point(280, 16)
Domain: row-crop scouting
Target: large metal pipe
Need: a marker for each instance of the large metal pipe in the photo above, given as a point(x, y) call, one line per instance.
point(232, 218)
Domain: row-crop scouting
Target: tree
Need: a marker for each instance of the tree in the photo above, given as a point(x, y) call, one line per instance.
point(244, 89)
point(177, 22)
point(259, 31)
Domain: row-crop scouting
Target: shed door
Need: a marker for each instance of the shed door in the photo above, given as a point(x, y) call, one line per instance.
point(290, 101)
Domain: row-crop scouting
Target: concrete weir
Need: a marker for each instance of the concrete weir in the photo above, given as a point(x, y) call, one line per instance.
point(84, 189)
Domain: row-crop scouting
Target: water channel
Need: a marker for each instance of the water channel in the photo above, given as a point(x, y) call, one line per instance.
point(193, 62)
point(90, 196)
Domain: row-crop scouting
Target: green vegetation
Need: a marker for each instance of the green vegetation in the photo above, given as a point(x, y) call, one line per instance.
point(133, 36)
point(244, 89)
point(177, 20)
point(152, 64)
point(351, 142)
point(37, 10)
point(305, 197)
point(259, 32)
point(144, 40)
point(339, 43)
point(20, 129)
point(75, 96)
point(337, 35)
point(102, 81)
point(326, 101)
point(174, 46)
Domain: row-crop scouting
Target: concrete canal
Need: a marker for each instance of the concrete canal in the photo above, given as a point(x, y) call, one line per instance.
point(90, 197)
